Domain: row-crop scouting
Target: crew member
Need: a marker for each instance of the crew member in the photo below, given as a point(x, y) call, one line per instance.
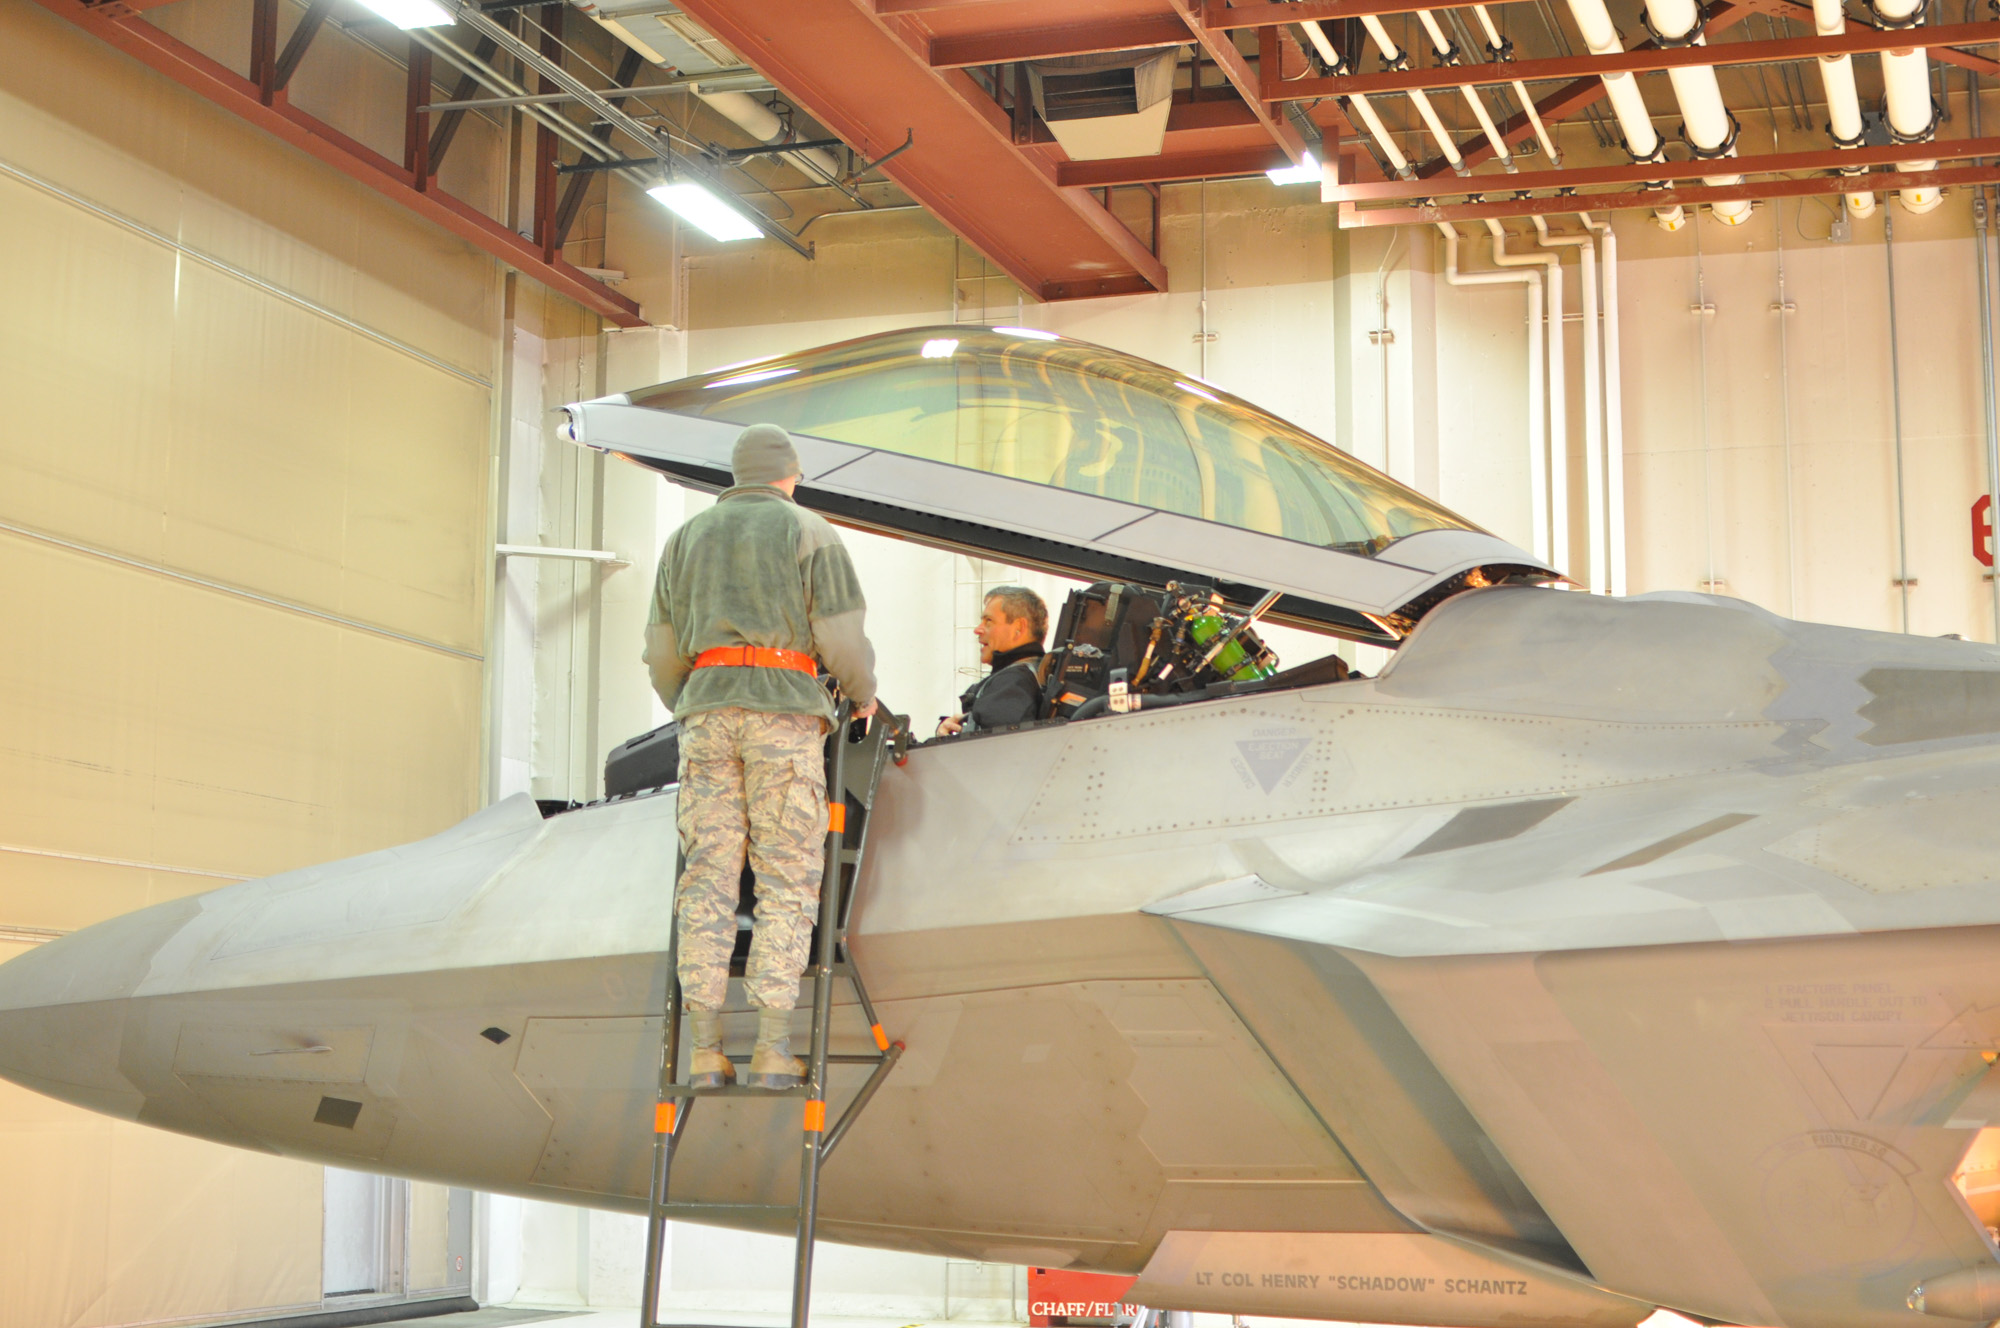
point(1010, 632)
point(749, 594)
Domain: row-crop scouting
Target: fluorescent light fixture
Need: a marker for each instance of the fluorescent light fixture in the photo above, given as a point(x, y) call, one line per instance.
point(1031, 333)
point(1200, 392)
point(761, 376)
point(701, 209)
point(407, 14)
point(940, 348)
point(1306, 172)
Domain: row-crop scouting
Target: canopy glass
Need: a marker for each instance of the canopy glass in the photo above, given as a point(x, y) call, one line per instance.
point(1028, 405)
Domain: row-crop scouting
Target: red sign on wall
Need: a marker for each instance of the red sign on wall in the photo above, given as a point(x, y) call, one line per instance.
point(1982, 529)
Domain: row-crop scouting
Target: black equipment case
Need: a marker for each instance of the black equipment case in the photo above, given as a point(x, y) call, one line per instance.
point(649, 761)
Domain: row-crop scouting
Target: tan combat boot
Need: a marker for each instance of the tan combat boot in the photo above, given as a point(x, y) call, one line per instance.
point(772, 1064)
point(707, 1066)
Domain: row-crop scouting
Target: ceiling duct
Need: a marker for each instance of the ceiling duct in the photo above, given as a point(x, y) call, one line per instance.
point(1110, 105)
point(667, 37)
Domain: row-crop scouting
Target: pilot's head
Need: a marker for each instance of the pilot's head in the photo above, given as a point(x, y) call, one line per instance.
point(764, 455)
point(1014, 617)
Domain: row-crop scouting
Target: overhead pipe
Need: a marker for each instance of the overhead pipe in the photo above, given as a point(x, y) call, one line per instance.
point(1394, 57)
point(1372, 121)
point(759, 121)
point(1642, 141)
point(1843, 104)
point(1906, 87)
point(1614, 405)
point(1448, 54)
point(1706, 124)
point(1501, 51)
point(1558, 471)
point(1538, 479)
point(1593, 398)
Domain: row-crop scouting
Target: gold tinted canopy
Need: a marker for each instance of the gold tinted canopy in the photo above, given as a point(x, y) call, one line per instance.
point(1029, 405)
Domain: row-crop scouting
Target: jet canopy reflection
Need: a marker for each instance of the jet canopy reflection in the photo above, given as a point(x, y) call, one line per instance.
point(1075, 416)
point(1020, 445)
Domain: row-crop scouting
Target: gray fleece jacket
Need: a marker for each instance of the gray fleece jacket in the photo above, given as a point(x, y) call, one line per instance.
point(757, 569)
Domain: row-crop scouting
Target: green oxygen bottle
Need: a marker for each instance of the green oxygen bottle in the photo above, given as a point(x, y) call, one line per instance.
point(1246, 659)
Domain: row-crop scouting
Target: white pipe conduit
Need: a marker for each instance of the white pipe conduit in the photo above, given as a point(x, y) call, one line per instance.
point(1538, 495)
point(1600, 35)
point(1593, 399)
point(1906, 86)
point(1705, 120)
point(1446, 53)
point(1376, 130)
point(1558, 466)
point(1494, 41)
point(756, 119)
point(1614, 408)
point(1418, 97)
point(1843, 104)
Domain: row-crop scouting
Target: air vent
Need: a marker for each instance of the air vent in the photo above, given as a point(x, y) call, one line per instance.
point(1102, 106)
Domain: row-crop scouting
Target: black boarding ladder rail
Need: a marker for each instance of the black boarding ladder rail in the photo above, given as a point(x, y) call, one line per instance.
point(852, 778)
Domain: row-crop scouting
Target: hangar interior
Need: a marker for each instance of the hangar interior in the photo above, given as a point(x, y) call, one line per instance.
point(297, 567)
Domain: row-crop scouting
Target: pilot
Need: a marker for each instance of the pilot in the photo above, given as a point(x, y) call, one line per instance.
point(1010, 632)
point(751, 595)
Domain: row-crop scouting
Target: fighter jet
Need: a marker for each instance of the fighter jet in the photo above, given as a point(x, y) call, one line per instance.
point(1599, 955)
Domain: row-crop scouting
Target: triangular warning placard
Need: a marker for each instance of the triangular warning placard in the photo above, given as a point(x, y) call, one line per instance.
point(1271, 759)
point(1860, 1074)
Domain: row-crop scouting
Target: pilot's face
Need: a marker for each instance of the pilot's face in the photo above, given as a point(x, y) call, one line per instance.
point(997, 632)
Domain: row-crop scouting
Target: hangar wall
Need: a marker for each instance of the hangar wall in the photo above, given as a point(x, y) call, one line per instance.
point(243, 548)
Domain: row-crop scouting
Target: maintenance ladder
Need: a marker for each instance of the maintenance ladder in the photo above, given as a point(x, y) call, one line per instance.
point(851, 783)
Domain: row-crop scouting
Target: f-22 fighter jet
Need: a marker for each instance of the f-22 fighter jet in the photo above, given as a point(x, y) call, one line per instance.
point(1600, 955)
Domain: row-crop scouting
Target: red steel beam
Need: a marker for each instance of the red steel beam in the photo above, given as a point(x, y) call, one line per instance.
point(1218, 17)
point(1010, 47)
point(867, 78)
point(1215, 165)
point(1966, 60)
point(233, 92)
point(1820, 159)
point(1352, 217)
point(125, 8)
point(1573, 97)
point(300, 41)
point(1220, 48)
point(1643, 60)
point(924, 6)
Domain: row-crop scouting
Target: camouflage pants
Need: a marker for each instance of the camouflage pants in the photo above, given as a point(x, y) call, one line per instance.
point(757, 782)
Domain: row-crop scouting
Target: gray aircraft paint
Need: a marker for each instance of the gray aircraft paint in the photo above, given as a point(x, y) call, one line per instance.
point(1690, 1013)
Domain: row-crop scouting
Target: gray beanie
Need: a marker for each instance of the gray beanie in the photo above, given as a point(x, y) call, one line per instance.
point(764, 455)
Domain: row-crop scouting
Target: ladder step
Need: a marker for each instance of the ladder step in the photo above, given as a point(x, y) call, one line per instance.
point(855, 1058)
point(675, 1091)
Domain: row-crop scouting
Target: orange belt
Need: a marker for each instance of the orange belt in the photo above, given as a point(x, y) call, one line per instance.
point(756, 657)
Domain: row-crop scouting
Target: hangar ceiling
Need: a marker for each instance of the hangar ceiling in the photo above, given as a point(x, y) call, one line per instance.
point(1041, 131)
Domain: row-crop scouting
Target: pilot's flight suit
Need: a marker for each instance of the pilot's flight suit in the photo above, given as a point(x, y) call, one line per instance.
point(1010, 694)
point(755, 570)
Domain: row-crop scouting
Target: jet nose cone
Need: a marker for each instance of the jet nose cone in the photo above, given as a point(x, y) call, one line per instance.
point(64, 1007)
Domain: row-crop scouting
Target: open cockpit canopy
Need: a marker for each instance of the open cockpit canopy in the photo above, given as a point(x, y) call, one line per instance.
point(1021, 445)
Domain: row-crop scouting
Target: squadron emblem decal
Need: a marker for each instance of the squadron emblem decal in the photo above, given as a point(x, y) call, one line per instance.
point(1270, 757)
